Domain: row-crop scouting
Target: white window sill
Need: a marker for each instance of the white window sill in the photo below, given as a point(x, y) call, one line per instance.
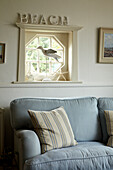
point(47, 84)
point(58, 84)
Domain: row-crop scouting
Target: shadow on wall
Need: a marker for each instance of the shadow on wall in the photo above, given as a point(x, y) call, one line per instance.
point(8, 131)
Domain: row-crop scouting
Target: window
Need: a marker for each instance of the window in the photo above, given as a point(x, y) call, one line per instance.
point(39, 67)
point(34, 66)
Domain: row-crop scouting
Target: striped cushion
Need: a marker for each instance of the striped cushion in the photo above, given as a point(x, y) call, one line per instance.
point(53, 128)
point(109, 123)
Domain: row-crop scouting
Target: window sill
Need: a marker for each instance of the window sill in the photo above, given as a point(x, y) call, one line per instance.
point(47, 84)
point(58, 84)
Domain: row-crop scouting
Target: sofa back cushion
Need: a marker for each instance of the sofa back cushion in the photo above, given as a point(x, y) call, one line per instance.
point(104, 104)
point(82, 114)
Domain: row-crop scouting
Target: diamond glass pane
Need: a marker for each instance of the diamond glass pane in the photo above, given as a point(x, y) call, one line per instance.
point(44, 42)
point(55, 44)
point(33, 44)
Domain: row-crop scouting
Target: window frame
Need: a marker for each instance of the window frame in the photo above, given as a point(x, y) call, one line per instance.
point(72, 47)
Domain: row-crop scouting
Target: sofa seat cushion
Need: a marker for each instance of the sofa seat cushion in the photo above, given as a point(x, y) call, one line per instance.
point(85, 155)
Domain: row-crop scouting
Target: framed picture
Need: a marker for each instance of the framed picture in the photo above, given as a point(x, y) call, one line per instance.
point(106, 45)
point(2, 53)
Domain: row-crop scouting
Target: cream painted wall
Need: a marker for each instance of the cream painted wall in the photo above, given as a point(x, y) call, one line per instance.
point(91, 14)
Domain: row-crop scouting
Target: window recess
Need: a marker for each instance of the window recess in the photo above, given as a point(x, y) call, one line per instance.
point(34, 66)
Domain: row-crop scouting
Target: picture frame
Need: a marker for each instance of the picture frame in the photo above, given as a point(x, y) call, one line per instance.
point(106, 45)
point(2, 53)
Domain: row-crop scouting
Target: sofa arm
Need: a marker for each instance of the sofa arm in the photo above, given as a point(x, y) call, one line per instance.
point(28, 145)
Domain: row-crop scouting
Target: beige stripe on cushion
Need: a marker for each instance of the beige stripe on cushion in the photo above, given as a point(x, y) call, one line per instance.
point(68, 129)
point(38, 127)
point(109, 122)
point(66, 134)
point(110, 141)
point(53, 128)
point(56, 130)
point(50, 129)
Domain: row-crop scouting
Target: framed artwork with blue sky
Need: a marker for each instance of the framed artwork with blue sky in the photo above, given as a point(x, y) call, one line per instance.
point(106, 45)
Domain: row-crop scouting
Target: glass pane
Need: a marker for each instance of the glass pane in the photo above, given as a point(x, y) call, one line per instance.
point(60, 53)
point(55, 66)
point(34, 55)
point(28, 73)
point(33, 44)
point(44, 42)
point(55, 44)
point(26, 67)
point(30, 67)
point(53, 60)
point(28, 54)
point(31, 55)
point(44, 68)
point(41, 56)
point(34, 67)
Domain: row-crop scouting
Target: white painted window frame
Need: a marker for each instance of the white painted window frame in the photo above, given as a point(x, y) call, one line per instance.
point(72, 51)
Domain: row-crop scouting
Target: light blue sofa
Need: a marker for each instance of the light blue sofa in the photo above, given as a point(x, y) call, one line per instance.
point(87, 119)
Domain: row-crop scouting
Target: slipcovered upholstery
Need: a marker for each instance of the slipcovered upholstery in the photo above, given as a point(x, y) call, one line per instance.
point(86, 156)
point(87, 119)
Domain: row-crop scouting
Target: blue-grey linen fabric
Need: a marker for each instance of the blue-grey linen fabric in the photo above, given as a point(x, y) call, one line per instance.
point(84, 156)
point(104, 104)
point(27, 145)
point(82, 114)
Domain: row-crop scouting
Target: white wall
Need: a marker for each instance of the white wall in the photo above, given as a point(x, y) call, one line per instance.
point(91, 14)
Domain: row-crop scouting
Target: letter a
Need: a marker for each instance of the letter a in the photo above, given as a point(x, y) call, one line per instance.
point(42, 20)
